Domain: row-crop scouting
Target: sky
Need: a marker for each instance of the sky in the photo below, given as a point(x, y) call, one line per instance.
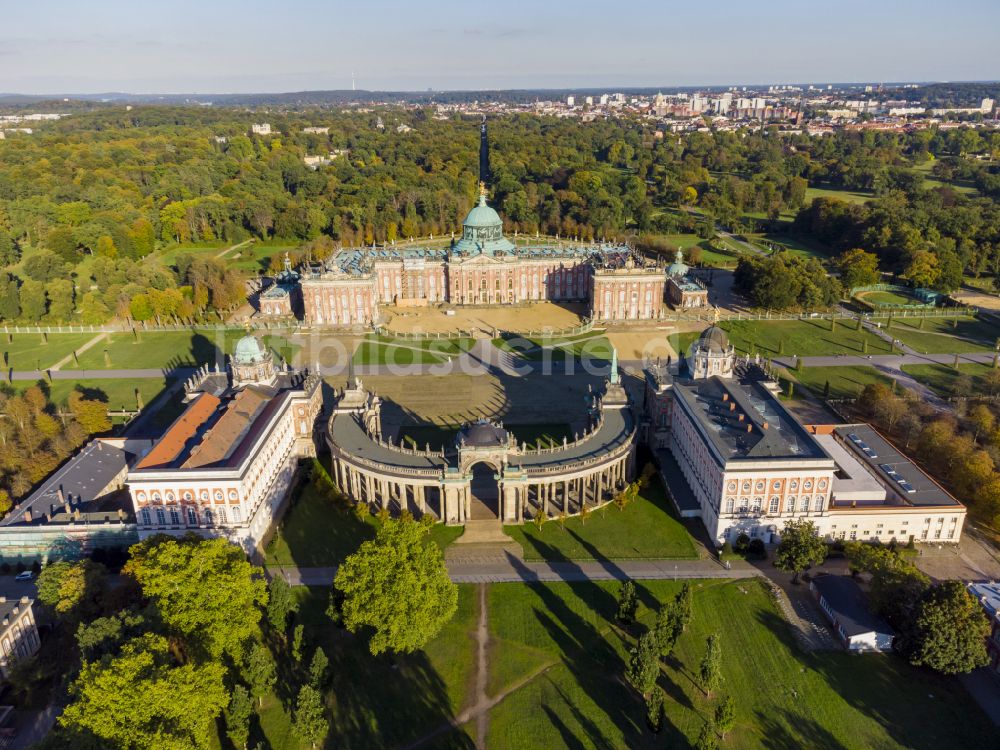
point(240, 46)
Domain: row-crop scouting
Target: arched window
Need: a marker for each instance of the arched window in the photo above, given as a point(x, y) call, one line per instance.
point(236, 514)
point(818, 505)
point(757, 504)
point(161, 517)
point(209, 519)
point(790, 503)
point(222, 515)
point(144, 515)
point(175, 517)
point(192, 517)
point(773, 506)
point(730, 502)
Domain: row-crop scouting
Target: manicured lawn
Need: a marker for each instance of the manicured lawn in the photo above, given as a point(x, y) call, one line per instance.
point(149, 349)
point(29, 351)
point(117, 392)
point(845, 382)
point(438, 436)
point(794, 245)
point(843, 194)
point(885, 297)
point(682, 341)
point(942, 378)
point(784, 698)
point(383, 350)
point(646, 528)
point(801, 337)
point(316, 533)
point(583, 346)
point(946, 335)
point(384, 701)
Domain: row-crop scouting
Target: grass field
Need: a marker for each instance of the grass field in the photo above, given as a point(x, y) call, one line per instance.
point(386, 350)
point(794, 245)
point(439, 436)
point(583, 346)
point(31, 351)
point(165, 349)
point(942, 378)
point(646, 528)
point(845, 382)
point(801, 337)
point(946, 335)
point(888, 298)
point(316, 533)
point(785, 699)
point(842, 194)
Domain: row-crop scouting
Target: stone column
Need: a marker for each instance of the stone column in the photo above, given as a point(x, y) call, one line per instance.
point(545, 499)
point(421, 498)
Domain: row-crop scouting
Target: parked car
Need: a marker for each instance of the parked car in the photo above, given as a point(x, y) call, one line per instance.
point(27, 575)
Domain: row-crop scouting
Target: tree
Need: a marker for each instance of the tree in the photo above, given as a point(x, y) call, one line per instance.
point(105, 635)
point(297, 636)
point(800, 548)
point(627, 602)
point(923, 269)
point(318, 668)
point(308, 723)
point(858, 268)
point(654, 709)
point(10, 298)
point(33, 301)
point(144, 700)
point(707, 738)
point(668, 627)
point(949, 631)
point(280, 604)
point(710, 671)
point(92, 415)
point(204, 590)
point(644, 664)
point(725, 716)
point(72, 589)
point(398, 585)
point(260, 671)
point(237, 715)
point(685, 605)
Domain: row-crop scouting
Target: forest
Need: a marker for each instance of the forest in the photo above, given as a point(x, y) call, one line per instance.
point(91, 204)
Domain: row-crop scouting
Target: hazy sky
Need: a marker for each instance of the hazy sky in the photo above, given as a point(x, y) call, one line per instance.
point(218, 46)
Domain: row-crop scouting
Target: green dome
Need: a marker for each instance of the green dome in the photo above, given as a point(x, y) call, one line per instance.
point(678, 268)
point(249, 350)
point(482, 232)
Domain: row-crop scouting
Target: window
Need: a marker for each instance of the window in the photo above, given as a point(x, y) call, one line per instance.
point(208, 516)
point(854, 535)
point(161, 517)
point(730, 502)
point(222, 515)
point(192, 517)
point(790, 503)
point(144, 515)
point(773, 507)
point(175, 517)
point(236, 515)
point(744, 504)
point(757, 503)
point(818, 505)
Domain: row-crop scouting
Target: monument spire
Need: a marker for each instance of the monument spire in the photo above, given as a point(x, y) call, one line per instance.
point(484, 155)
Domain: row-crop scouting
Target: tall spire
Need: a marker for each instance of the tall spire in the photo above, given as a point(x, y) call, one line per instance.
point(484, 154)
point(615, 377)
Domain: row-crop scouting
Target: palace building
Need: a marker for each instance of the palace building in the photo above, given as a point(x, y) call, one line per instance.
point(224, 466)
point(482, 267)
point(734, 456)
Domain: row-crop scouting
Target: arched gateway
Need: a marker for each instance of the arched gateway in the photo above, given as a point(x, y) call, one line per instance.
point(485, 473)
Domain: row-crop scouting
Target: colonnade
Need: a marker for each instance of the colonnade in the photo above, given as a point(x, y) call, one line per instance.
point(524, 491)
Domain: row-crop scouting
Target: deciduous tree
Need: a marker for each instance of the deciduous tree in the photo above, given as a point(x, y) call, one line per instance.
point(800, 548)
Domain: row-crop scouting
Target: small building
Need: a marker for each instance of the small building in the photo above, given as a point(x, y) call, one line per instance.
point(284, 297)
point(18, 631)
point(683, 290)
point(845, 605)
point(988, 595)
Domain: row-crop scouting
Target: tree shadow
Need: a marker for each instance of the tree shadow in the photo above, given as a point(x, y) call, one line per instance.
point(782, 730)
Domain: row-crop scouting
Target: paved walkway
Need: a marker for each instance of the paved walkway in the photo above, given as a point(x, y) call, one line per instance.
point(513, 570)
point(70, 357)
point(985, 690)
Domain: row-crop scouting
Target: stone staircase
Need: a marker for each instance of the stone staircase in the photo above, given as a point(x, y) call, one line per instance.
point(483, 542)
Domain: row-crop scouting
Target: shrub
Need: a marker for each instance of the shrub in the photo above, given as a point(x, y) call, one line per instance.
point(742, 543)
point(756, 549)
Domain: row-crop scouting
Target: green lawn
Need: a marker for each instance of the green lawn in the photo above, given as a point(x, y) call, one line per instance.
point(885, 297)
point(646, 528)
point(682, 341)
point(801, 337)
point(385, 350)
point(316, 533)
point(117, 392)
point(385, 701)
point(845, 382)
point(793, 245)
point(439, 436)
point(583, 346)
point(942, 378)
point(785, 699)
point(946, 335)
point(843, 194)
point(32, 351)
point(165, 349)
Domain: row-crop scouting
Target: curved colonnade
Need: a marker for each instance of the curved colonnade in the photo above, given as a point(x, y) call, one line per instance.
point(585, 472)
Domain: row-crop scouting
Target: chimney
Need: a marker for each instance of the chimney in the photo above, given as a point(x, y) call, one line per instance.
point(59, 493)
point(725, 396)
point(741, 417)
point(27, 515)
point(749, 427)
point(764, 426)
point(732, 406)
point(24, 600)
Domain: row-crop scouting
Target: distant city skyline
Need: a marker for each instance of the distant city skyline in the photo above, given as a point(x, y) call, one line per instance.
point(225, 46)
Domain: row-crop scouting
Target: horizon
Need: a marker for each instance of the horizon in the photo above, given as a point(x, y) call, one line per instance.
point(66, 49)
